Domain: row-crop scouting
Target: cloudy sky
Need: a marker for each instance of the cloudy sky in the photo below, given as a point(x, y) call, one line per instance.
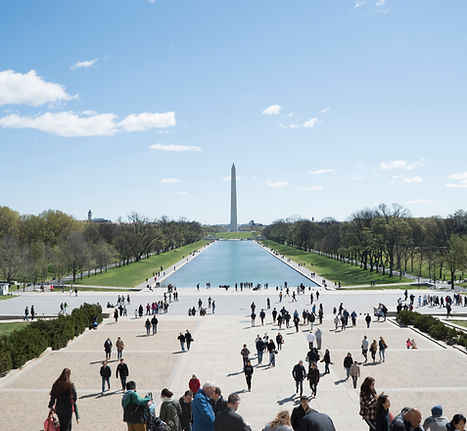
point(325, 107)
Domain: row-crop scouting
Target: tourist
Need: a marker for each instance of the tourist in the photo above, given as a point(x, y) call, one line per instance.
point(365, 348)
point(368, 320)
point(213, 307)
point(373, 350)
point(382, 349)
point(382, 413)
point(298, 412)
point(154, 323)
point(194, 384)
point(368, 402)
point(355, 373)
point(272, 353)
point(260, 346)
point(253, 318)
point(122, 372)
point(147, 325)
point(170, 411)
point(181, 339)
point(203, 413)
point(327, 361)
point(436, 422)
point(217, 401)
point(33, 312)
point(228, 419)
point(245, 353)
point(407, 419)
point(280, 423)
point(108, 348)
point(311, 339)
point(248, 370)
point(279, 341)
point(408, 343)
point(116, 315)
point(316, 421)
point(120, 345)
point(105, 373)
point(313, 378)
point(274, 315)
point(26, 313)
point(188, 339)
point(336, 322)
point(134, 417)
point(318, 336)
point(63, 400)
point(299, 374)
point(457, 423)
point(348, 361)
point(262, 316)
point(185, 406)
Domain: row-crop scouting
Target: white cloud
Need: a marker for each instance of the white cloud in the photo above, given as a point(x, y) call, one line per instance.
point(228, 178)
point(415, 179)
point(176, 148)
point(310, 123)
point(359, 3)
point(147, 120)
point(400, 164)
point(83, 64)
point(460, 176)
point(290, 114)
point(419, 201)
point(312, 188)
point(461, 180)
point(70, 124)
point(170, 180)
point(29, 89)
point(380, 3)
point(272, 110)
point(322, 171)
point(457, 186)
point(323, 111)
point(183, 192)
point(278, 184)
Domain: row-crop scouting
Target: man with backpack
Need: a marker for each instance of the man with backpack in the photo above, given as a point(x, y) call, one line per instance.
point(135, 408)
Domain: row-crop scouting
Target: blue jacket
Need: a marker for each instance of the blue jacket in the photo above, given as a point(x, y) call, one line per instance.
point(203, 414)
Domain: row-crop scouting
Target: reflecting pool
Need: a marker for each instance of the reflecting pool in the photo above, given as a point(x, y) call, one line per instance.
point(230, 262)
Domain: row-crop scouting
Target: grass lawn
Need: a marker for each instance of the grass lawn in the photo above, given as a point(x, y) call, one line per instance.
point(135, 273)
point(236, 235)
point(332, 269)
point(8, 328)
point(397, 286)
point(3, 297)
point(459, 322)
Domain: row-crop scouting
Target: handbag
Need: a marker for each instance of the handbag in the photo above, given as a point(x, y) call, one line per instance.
point(51, 423)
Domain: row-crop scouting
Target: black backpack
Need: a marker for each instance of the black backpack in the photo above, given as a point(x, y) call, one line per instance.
point(135, 414)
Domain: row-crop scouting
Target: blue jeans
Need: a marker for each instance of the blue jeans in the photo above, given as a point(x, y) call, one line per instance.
point(105, 379)
point(260, 356)
point(299, 384)
point(272, 359)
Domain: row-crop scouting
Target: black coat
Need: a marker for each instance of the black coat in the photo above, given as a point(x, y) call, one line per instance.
point(315, 421)
point(122, 370)
point(186, 416)
point(218, 405)
point(348, 361)
point(297, 415)
point(228, 420)
point(299, 372)
point(105, 371)
point(248, 370)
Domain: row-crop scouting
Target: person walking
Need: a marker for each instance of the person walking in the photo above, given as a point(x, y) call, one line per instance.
point(26, 313)
point(123, 373)
point(272, 353)
point(203, 413)
point(147, 325)
point(316, 421)
point(134, 417)
point(228, 419)
point(313, 378)
point(188, 339)
point(194, 384)
point(318, 336)
point(63, 400)
point(365, 348)
point(248, 370)
point(260, 346)
point(348, 361)
point(355, 373)
point(170, 411)
point(116, 315)
point(299, 412)
point(299, 374)
point(311, 339)
point(120, 345)
point(253, 318)
point(373, 349)
point(185, 405)
point(105, 373)
point(368, 402)
point(154, 322)
point(262, 316)
point(368, 320)
point(327, 361)
point(108, 348)
point(382, 349)
point(279, 341)
point(382, 413)
point(33, 312)
point(181, 339)
point(245, 353)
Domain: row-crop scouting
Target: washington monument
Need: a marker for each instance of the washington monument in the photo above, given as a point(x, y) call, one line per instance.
point(233, 199)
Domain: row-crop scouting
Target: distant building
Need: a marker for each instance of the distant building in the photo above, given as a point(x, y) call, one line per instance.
point(98, 219)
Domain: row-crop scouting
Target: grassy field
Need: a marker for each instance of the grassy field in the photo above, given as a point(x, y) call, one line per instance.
point(459, 322)
point(236, 235)
point(8, 328)
point(135, 273)
point(397, 286)
point(332, 269)
point(2, 298)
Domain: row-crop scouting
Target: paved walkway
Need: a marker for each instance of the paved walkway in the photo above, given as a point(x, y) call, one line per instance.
point(419, 377)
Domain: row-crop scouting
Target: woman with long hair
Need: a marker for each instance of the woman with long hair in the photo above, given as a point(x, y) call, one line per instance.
point(368, 402)
point(280, 423)
point(63, 400)
point(382, 349)
point(382, 413)
point(457, 423)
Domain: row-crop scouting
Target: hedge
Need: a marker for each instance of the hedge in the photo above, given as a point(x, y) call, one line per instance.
point(434, 327)
point(28, 343)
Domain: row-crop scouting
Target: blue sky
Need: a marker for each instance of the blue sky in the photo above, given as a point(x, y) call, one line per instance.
point(325, 107)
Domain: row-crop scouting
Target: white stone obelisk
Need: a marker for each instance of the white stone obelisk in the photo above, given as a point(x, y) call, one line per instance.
point(233, 199)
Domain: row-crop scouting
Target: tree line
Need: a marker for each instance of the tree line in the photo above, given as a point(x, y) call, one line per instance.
point(34, 248)
point(386, 239)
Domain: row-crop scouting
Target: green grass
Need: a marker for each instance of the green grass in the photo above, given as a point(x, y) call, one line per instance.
point(400, 286)
point(135, 273)
point(459, 322)
point(8, 328)
point(332, 269)
point(4, 297)
point(236, 235)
